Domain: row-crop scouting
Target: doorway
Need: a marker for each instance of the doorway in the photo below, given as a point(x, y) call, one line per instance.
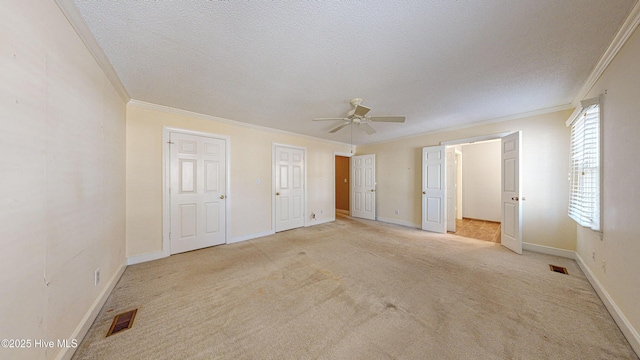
point(435, 165)
point(342, 184)
point(476, 183)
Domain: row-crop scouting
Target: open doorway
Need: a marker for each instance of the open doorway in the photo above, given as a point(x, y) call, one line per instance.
point(436, 162)
point(342, 184)
point(475, 206)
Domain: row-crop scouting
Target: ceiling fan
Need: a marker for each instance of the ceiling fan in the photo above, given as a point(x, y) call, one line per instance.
point(358, 116)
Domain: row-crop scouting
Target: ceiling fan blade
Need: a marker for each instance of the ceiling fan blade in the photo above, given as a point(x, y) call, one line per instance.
point(338, 128)
point(327, 119)
point(367, 128)
point(396, 119)
point(360, 110)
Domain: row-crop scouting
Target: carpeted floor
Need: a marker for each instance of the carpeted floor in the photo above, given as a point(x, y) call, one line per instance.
point(356, 289)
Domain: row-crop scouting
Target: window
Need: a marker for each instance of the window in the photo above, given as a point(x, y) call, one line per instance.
point(584, 176)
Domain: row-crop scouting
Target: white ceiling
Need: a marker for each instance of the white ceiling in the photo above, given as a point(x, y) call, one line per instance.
point(282, 63)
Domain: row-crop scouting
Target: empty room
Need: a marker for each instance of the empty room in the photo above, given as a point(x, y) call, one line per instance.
point(320, 180)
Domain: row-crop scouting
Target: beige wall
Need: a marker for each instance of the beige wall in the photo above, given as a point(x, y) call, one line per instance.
point(620, 243)
point(481, 169)
point(62, 188)
point(251, 159)
point(545, 143)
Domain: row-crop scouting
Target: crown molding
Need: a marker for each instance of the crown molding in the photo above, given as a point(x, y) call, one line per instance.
point(479, 123)
point(77, 22)
point(625, 32)
point(167, 109)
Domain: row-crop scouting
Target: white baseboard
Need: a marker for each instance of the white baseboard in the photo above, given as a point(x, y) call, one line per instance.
point(82, 329)
point(132, 260)
point(399, 222)
point(549, 250)
point(625, 326)
point(250, 236)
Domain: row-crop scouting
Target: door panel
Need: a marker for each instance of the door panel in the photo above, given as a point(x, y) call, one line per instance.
point(363, 194)
point(197, 192)
point(212, 213)
point(511, 205)
point(290, 200)
point(211, 176)
point(433, 210)
point(188, 221)
point(187, 176)
point(433, 189)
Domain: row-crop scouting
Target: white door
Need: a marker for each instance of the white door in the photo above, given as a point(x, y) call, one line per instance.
point(198, 192)
point(363, 186)
point(434, 205)
point(511, 205)
point(289, 180)
point(451, 189)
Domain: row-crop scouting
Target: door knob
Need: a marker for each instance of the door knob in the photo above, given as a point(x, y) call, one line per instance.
point(424, 193)
point(221, 196)
point(277, 193)
point(515, 198)
point(373, 190)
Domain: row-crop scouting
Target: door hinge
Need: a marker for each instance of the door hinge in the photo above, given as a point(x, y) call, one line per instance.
point(169, 142)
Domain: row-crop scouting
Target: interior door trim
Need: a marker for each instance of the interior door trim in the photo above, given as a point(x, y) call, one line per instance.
point(166, 172)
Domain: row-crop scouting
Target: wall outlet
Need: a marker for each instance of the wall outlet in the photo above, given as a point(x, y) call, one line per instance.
point(313, 216)
point(593, 255)
point(96, 277)
point(604, 266)
point(397, 212)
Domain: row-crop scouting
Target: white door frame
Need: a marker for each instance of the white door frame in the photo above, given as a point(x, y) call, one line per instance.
point(166, 176)
point(337, 153)
point(273, 183)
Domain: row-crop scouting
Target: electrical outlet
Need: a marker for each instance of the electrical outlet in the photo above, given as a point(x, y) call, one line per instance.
point(96, 277)
point(313, 216)
point(604, 266)
point(593, 255)
point(397, 212)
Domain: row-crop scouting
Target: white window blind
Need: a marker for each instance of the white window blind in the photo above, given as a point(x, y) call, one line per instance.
point(584, 201)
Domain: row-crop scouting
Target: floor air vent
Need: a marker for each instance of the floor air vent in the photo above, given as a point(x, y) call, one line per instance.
point(122, 322)
point(559, 269)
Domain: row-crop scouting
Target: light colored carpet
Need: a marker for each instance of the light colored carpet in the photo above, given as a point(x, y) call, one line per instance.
point(356, 289)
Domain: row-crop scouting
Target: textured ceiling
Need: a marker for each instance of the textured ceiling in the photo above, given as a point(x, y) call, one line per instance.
point(282, 63)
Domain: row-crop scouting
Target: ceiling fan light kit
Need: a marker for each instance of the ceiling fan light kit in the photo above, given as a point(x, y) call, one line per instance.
point(358, 116)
